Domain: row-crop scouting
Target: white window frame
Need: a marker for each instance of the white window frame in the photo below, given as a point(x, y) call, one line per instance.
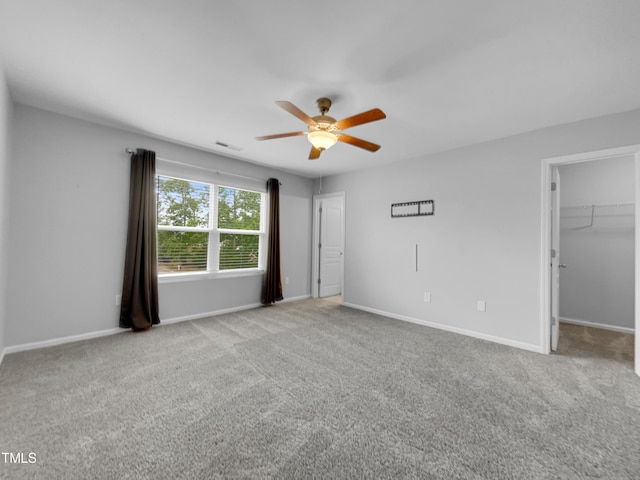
point(213, 246)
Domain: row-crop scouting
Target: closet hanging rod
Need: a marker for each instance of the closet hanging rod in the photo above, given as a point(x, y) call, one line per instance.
point(602, 205)
point(219, 172)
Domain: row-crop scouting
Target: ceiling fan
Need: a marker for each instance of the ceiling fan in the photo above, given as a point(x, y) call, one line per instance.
point(325, 131)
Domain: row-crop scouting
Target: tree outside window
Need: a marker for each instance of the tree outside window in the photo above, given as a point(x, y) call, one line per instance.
point(199, 231)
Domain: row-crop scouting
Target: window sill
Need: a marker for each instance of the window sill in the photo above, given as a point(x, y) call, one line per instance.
point(199, 276)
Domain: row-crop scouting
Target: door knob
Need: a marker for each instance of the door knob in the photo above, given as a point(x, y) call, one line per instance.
point(562, 265)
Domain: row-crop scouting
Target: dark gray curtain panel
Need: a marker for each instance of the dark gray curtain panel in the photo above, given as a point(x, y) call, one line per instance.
point(139, 309)
point(272, 285)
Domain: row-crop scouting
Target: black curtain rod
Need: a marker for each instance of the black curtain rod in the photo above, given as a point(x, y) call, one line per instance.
point(132, 151)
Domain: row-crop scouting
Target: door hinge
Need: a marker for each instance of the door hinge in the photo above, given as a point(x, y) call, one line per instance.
point(553, 321)
point(319, 245)
point(553, 253)
point(318, 281)
point(554, 186)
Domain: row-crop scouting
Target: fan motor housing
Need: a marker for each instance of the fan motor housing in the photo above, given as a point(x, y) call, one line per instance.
point(324, 104)
point(323, 122)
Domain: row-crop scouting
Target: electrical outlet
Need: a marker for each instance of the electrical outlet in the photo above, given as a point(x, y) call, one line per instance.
point(427, 297)
point(118, 299)
point(482, 306)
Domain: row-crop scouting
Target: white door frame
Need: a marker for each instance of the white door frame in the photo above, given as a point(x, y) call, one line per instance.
point(545, 292)
point(316, 240)
point(555, 259)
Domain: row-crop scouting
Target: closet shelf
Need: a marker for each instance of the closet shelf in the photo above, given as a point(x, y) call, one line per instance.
point(604, 211)
point(601, 205)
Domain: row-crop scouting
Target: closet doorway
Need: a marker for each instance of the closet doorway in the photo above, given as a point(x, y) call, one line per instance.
point(590, 250)
point(596, 255)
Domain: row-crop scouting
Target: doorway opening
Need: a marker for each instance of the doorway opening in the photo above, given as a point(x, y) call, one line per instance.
point(553, 262)
point(596, 251)
point(328, 246)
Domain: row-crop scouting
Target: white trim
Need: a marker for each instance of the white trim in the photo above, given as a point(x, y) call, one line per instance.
point(296, 299)
point(213, 230)
point(545, 254)
point(637, 276)
point(595, 155)
point(112, 331)
point(224, 311)
point(603, 326)
point(461, 331)
point(62, 340)
point(210, 275)
point(198, 316)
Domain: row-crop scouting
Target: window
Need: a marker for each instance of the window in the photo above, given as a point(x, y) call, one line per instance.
point(204, 227)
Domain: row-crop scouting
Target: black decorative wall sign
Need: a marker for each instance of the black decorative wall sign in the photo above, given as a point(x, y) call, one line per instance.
point(412, 209)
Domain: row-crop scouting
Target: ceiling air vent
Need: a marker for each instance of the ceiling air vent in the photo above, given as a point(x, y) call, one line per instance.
point(226, 145)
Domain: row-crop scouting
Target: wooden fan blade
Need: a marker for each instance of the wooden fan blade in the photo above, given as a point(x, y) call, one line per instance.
point(280, 135)
point(358, 142)
point(315, 153)
point(295, 111)
point(364, 117)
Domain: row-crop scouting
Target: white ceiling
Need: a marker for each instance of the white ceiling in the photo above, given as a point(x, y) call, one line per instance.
point(447, 73)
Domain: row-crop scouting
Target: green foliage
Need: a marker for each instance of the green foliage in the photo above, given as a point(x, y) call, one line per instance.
point(238, 209)
point(183, 203)
point(238, 251)
point(182, 251)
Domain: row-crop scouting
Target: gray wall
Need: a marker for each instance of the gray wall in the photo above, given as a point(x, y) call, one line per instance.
point(69, 195)
point(5, 127)
point(484, 241)
point(598, 284)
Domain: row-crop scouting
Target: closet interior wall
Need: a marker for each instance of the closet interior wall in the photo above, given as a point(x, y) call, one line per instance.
point(597, 235)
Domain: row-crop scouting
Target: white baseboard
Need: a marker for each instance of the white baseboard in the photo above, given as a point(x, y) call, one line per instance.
point(604, 326)
point(215, 313)
point(461, 331)
point(61, 340)
point(112, 331)
point(198, 316)
point(296, 299)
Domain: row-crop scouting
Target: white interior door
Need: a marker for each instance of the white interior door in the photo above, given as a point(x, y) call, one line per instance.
point(331, 246)
point(555, 257)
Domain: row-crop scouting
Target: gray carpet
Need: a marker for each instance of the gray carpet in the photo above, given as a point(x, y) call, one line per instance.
point(315, 390)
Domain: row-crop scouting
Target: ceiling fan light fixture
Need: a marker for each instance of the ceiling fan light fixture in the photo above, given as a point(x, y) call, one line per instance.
point(321, 139)
point(325, 131)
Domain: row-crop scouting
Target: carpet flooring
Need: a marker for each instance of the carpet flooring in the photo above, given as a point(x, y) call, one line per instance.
point(596, 343)
point(313, 389)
